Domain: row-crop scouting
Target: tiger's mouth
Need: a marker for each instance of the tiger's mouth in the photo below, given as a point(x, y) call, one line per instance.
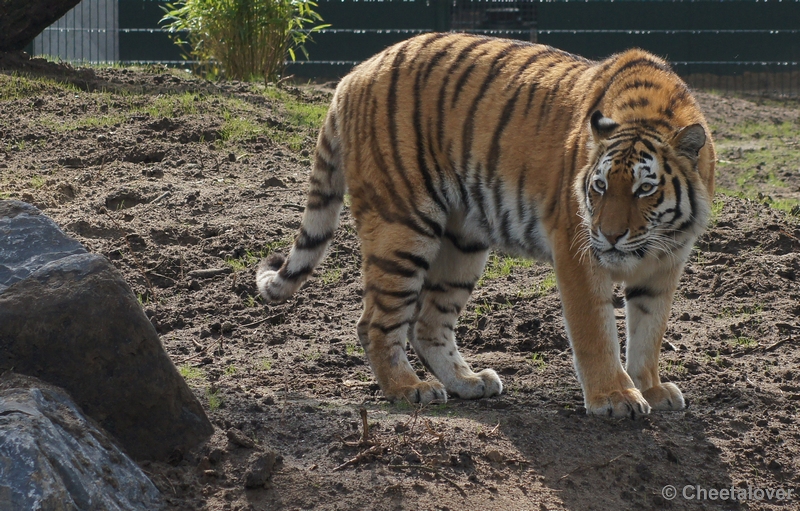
point(614, 256)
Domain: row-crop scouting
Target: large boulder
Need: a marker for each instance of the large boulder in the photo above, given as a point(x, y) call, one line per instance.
point(53, 458)
point(74, 322)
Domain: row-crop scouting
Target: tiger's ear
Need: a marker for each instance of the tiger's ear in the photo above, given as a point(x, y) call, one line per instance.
point(602, 126)
point(689, 140)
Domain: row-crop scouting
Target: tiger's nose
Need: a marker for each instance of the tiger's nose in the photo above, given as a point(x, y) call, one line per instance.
point(613, 237)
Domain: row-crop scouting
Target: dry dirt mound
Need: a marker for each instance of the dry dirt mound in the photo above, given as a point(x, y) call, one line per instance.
point(184, 184)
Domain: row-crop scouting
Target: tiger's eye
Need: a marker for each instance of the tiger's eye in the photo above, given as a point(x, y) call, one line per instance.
point(646, 188)
point(600, 185)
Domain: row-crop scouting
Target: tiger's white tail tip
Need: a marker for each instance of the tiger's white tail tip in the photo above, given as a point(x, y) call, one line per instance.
point(270, 284)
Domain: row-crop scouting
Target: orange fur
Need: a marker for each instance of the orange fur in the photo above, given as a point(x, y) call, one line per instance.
point(451, 144)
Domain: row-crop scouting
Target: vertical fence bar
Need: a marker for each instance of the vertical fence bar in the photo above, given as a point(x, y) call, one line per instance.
point(91, 32)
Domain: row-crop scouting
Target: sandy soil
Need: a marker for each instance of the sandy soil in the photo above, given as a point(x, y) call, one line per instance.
point(170, 192)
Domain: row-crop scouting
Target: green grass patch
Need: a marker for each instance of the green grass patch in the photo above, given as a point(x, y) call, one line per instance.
point(745, 342)
point(37, 182)
point(353, 349)
point(331, 276)
point(536, 359)
point(14, 87)
point(190, 373)
point(215, 401)
point(173, 105)
point(248, 259)
point(236, 128)
point(498, 266)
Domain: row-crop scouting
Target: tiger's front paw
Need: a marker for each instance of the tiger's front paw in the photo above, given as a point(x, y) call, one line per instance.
point(665, 396)
point(620, 403)
point(485, 383)
point(423, 393)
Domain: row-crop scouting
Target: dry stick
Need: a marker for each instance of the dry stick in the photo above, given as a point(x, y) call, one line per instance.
point(375, 449)
point(601, 465)
point(435, 472)
point(135, 259)
point(365, 425)
point(778, 344)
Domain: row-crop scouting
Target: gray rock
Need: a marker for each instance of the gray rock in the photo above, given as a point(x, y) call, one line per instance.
point(75, 323)
point(262, 466)
point(53, 458)
point(29, 240)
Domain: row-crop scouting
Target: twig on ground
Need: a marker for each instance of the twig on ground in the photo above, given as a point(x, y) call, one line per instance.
point(364, 425)
point(601, 465)
point(363, 455)
point(778, 344)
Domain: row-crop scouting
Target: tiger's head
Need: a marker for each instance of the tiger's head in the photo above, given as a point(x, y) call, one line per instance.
point(641, 194)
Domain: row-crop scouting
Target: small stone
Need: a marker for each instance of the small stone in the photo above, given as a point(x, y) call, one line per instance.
point(238, 438)
point(231, 157)
point(262, 466)
point(495, 456)
point(215, 455)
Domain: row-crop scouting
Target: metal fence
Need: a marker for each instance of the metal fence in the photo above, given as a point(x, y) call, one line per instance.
point(731, 45)
point(89, 33)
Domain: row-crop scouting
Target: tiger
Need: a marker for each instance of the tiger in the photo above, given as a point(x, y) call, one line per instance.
point(450, 145)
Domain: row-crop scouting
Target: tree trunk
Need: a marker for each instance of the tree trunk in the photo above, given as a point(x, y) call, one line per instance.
point(22, 20)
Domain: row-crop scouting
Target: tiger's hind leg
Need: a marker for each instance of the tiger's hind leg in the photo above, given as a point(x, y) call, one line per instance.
point(450, 281)
point(396, 260)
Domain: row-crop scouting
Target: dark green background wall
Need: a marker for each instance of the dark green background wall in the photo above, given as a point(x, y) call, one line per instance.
point(721, 37)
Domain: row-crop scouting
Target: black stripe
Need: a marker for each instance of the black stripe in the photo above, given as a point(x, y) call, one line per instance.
point(414, 226)
point(676, 185)
point(469, 286)
point(413, 258)
point(653, 122)
point(635, 292)
point(548, 101)
point(494, 147)
point(436, 288)
point(305, 241)
point(286, 274)
point(318, 200)
point(660, 199)
point(498, 63)
point(544, 52)
point(635, 103)
point(434, 60)
point(391, 267)
point(447, 309)
point(393, 308)
point(388, 328)
point(639, 84)
point(421, 160)
point(409, 293)
point(646, 62)
point(440, 109)
point(468, 248)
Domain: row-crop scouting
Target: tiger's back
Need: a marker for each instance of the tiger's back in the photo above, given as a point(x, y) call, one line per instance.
point(452, 144)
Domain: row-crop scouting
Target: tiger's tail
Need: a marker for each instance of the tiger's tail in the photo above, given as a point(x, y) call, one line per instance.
point(278, 277)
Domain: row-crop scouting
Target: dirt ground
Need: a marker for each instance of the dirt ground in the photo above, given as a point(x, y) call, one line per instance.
point(149, 168)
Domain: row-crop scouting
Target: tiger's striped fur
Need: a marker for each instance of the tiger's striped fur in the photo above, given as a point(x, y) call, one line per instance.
point(450, 144)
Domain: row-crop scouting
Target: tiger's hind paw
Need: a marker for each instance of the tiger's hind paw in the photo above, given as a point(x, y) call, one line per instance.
point(485, 383)
point(620, 403)
point(665, 396)
point(423, 393)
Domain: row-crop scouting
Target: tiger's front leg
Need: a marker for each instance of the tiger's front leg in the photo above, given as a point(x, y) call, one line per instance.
point(587, 298)
point(647, 307)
